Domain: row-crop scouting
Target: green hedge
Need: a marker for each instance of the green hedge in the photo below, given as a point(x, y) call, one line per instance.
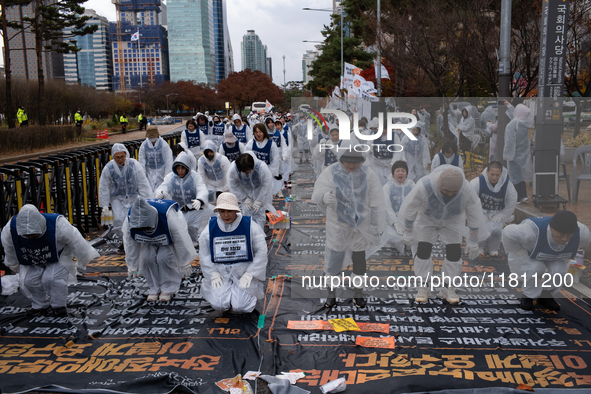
point(26, 139)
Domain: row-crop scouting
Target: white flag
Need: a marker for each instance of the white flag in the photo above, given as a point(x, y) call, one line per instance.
point(268, 107)
point(135, 36)
point(385, 74)
point(336, 92)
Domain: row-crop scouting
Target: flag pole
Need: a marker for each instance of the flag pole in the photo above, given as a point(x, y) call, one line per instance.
point(139, 59)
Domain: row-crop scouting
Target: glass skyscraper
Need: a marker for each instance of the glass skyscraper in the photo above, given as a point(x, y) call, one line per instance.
point(254, 53)
point(92, 65)
point(224, 63)
point(191, 41)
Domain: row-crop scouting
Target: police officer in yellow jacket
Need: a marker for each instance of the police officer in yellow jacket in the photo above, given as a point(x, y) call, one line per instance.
point(123, 120)
point(78, 119)
point(22, 117)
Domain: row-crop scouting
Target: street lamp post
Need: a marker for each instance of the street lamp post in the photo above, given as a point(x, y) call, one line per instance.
point(171, 94)
point(332, 11)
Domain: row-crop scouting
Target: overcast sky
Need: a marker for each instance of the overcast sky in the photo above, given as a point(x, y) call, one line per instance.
point(280, 24)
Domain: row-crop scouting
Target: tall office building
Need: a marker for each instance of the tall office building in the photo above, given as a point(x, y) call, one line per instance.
point(307, 60)
point(143, 62)
point(224, 64)
point(269, 66)
point(92, 65)
point(191, 41)
point(254, 53)
point(23, 59)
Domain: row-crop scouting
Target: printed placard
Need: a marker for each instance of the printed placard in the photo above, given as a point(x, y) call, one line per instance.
point(341, 325)
point(385, 343)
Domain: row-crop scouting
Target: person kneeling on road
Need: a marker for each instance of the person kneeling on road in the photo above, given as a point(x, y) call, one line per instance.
point(156, 238)
point(232, 275)
point(537, 244)
point(41, 248)
point(437, 207)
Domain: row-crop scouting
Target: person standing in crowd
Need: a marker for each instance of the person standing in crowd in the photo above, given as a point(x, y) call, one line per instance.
point(22, 117)
point(283, 149)
point(79, 120)
point(516, 150)
point(453, 119)
point(288, 142)
point(158, 246)
point(155, 157)
point(264, 148)
point(326, 151)
point(186, 187)
point(438, 207)
point(416, 153)
point(250, 180)
point(498, 199)
point(213, 168)
point(217, 131)
point(193, 138)
point(204, 125)
point(41, 248)
point(540, 245)
point(440, 132)
point(241, 130)
point(395, 191)
point(140, 120)
point(465, 130)
point(384, 152)
point(349, 193)
point(448, 155)
point(232, 281)
point(301, 132)
point(123, 121)
point(320, 133)
point(231, 147)
point(122, 180)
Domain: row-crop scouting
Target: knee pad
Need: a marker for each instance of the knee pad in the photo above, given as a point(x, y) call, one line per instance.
point(424, 250)
point(359, 263)
point(453, 252)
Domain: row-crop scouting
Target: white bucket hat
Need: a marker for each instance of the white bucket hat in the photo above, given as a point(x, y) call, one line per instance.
point(227, 201)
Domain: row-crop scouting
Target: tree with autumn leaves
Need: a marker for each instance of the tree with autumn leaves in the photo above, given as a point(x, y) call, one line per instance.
point(245, 87)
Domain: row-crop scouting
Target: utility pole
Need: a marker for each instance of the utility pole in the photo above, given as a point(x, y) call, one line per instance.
point(504, 76)
point(284, 84)
point(379, 60)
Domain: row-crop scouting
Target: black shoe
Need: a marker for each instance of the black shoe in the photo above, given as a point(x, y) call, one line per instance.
point(359, 300)
point(549, 303)
point(59, 312)
point(37, 312)
point(301, 161)
point(331, 300)
point(527, 304)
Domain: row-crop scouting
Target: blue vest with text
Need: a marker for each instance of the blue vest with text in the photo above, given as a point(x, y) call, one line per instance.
point(233, 152)
point(240, 134)
point(264, 153)
point(286, 134)
point(193, 139)
point(381, 151)
point(329, 156)
point(454, 162)
point(161, 235)
point(489, 199)
point(230, 247)
point(218, 129)
point(277, 138)
point(38, 251)
point(204, 128)
point(543, 252)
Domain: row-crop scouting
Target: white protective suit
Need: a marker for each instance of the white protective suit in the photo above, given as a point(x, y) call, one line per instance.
point(496, 218)
point(416, 155)
point(453, 119)
point(467, 126)
point(487, 116)
point(163, 265)
point(46, 284)
point(237, 131)
point(517, 145)
point(229, 295)
point(519, 240)
point(436, 161)
point(325, 153)
point(440, 132)
point(357, 220)
point(317, 137)
point(190, 155)
point(381, 160)
point(184, 190)
point(283, 151)
point(274, 157)
point(213, 173)
point(257, 186)
point(394, 195)
point(288, 137)
point(426, 213)
point(119, 186)
point(194, 148)
point(301, 130)
point(156, 160)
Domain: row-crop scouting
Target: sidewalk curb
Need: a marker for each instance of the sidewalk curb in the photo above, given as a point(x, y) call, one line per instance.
point(13, 159)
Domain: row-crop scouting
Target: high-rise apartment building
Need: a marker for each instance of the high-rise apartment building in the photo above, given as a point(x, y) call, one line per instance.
point(192, 41)
point(23, 59)
point(143, 62)
point(307, 61)
point(254, 53)
point(92, 65)
point(269, 66)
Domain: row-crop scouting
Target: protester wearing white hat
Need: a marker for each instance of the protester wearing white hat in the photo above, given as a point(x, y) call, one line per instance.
point(438, 207)
point(232, 276)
